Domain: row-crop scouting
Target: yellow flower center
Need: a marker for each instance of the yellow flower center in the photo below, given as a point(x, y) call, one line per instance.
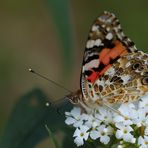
point(146, 142)
point(82, 134)
point(126, 118)
point(125, 131)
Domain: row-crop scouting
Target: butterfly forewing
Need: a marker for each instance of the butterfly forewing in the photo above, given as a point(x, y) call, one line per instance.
point(106, 43)
point(113, 70)
point(107, 51)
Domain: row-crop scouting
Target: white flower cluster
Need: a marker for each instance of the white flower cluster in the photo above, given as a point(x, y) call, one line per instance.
point(129, 124)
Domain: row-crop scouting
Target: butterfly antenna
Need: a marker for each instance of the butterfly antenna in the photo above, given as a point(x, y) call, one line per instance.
point(49, 80)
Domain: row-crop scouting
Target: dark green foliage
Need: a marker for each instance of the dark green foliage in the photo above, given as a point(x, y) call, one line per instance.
point(26, 125)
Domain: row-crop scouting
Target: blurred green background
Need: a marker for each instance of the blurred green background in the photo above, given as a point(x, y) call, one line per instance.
point(49, 36)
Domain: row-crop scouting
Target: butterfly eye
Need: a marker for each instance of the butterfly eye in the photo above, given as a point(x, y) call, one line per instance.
point(145, 80)
point(73, 99)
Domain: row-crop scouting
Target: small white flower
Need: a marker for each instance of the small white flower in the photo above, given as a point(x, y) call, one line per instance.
point(140, 118)
point(103, 133)
point(92, 122)
point(75, 117)
point(104, 115)
point(102, 122)
point(94, 134)
point(123, 132)
point(143, 104)
point(127, 113)
point(80, 135)
point(122, 119)
point(143, 142)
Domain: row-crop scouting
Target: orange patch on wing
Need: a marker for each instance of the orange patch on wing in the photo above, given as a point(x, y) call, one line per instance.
point(104, 52)
point(117, 50)
point(107, 54)
point(124, 53)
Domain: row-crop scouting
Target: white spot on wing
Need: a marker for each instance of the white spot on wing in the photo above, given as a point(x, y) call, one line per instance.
point(110, 71)
point(90, 43)
point(119, 26)
point(89, 55)
point(105, 12)
point(100, 82)
point(108, 28)
point(125, 79)
point(109, 36)
point(98, 42)
point(127, 64)
point(116, 29)
point(95, 28)
point(91, 64)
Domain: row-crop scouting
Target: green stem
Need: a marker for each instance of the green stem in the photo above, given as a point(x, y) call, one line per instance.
point(52, 137)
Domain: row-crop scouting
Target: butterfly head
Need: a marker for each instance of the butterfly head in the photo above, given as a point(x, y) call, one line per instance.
point(75, 97)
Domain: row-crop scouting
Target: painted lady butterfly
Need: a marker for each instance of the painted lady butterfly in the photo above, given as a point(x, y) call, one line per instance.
point(113, 70)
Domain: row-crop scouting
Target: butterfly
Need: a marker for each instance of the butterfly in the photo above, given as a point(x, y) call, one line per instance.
point(113, 70)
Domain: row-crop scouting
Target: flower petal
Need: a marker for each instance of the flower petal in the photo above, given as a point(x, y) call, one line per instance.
point(78, 123)
point(79, 141)
point(75, 112)
point(94, 134)
point(128, 137)
point(70, 121)
point(77, 133)
point(105, 139)
point(86, 135)
point(119, 134)
point(84, 129)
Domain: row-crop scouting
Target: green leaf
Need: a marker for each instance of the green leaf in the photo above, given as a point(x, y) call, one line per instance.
point(26, 125)
point(61, 17)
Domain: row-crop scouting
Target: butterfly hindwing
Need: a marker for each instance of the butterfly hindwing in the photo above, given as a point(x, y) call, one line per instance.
point(125, 81)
